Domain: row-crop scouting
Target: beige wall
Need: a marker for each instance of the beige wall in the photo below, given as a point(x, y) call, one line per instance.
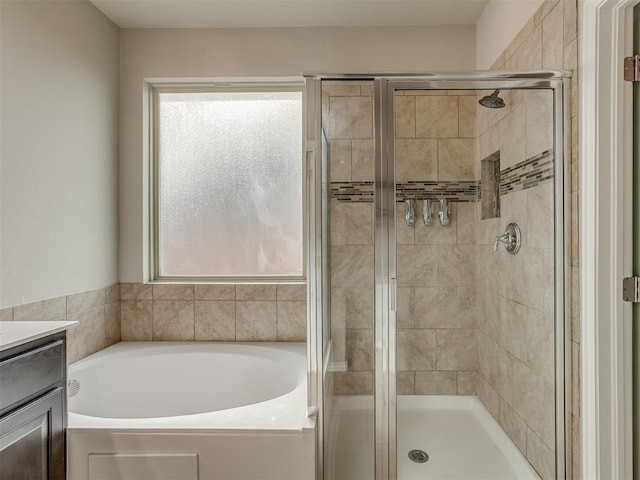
point(59, 68)
point(500, 22)
point(255, 52)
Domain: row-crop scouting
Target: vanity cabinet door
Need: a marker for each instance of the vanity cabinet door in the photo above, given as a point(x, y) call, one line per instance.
point(32, 440)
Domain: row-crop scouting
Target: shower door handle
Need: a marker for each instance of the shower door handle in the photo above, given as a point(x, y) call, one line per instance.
point(392, 293)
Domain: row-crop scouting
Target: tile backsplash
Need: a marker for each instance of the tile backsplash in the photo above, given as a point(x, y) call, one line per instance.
point(96, 311)
point(223, 313)
point(144, 312)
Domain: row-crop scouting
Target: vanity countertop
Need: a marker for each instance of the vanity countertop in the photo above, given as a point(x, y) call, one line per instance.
point(13, 334)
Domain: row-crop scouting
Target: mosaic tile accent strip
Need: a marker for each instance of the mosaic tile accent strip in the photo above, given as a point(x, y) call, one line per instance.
point(352, 191)
point(413, 190)
point(463, 191)
point(528, 174)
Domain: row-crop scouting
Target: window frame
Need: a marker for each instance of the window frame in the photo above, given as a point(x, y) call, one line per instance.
point(155, 90)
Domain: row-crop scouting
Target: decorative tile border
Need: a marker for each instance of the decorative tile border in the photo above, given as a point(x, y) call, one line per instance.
point(351, 192)
point(527, 174)
point(462, 191)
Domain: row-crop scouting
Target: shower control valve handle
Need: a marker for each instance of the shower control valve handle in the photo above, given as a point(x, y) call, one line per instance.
point(511, 239)
point(504, 238)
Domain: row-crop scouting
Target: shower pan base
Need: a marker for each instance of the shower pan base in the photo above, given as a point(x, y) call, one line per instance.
point(459, 435)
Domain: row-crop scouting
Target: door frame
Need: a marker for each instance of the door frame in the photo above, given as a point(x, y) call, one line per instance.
point(605, 184)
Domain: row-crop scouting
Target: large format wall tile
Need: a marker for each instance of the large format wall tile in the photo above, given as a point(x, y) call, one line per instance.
point(416, 159)
point(513, 138)
point(455, 159)
point(215, 320)
point(292, 321)
point(405, 109)
point(351, 117)
point(291, 291)
point(456, 265)
point(467, 109)
point(353, 383)
point(352, 266)
point(437, 234)
point(352, 307)
point(553, 39)
point(136, 291)
point(351, 223)
point(173, 320)
point(172, 292)
point(137, 320)
point(340, 160)
point(85, 300)
point(256, 321)
point(436, 307)
point(215, 292)
point(467, 382)
point(360, 349)
point(416, 349)
point(540, 456)
point(436, 383)
point(436, 116)
point(456, 349)
point(416, 265)
point(51, 309)
point(362, 168)
point(514, 426)
point(256, 292)
point(83, 340)
point(113, 323)
point(539, 112)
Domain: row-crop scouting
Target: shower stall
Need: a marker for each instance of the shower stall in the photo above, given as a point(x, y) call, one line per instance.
point(437, 275)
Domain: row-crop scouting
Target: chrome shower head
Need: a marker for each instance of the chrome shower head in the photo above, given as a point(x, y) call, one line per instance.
point(492, 101)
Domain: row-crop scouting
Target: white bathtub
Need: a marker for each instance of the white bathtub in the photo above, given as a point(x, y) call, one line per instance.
point(191, 411)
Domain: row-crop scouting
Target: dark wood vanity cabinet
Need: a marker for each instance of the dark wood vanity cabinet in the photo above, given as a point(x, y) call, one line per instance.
point(33, 410)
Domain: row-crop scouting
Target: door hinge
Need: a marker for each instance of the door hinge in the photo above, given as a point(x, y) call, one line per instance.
point(631, 289)
point(632, 68)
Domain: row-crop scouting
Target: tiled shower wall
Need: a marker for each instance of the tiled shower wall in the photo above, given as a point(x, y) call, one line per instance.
point(516, 327)
point(515, 381)
point(96, 311)
point(436, 346)
point(436, 264)
point(348, 123)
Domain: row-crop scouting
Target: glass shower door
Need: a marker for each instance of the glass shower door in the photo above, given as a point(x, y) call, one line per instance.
point(475, 367)
point(348, 125)
point(443, 324)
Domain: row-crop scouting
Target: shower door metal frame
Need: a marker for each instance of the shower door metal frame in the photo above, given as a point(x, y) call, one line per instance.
point(385, 86)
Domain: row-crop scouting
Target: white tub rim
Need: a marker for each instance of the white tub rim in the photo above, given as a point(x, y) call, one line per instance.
point(291, 407)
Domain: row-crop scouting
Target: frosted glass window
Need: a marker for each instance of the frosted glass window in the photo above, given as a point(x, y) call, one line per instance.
point(229, 179)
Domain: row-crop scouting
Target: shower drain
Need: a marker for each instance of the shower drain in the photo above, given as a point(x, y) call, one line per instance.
point(418, 456)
